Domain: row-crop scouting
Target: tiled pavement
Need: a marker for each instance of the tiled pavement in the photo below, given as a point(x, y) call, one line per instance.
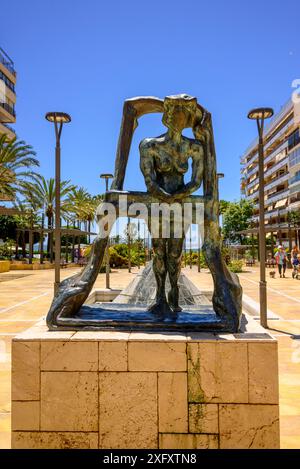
point(25, 300)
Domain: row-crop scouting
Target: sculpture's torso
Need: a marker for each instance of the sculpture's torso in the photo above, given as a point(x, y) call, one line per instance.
point(170, 160)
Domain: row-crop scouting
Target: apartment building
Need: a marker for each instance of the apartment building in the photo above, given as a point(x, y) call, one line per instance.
point(7, 94)
point(281, 175)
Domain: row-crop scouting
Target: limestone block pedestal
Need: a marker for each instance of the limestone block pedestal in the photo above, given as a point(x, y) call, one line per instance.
point(144, 390)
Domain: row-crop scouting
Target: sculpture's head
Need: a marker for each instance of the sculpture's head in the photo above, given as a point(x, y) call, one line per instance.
point(179, 111)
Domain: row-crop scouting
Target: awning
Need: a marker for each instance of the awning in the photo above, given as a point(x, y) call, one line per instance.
point(281, 203)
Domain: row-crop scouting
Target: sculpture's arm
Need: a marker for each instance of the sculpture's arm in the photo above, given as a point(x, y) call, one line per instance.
point(147, 168)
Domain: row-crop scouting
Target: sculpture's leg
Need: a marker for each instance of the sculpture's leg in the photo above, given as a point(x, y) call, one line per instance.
point(160, 307)
point(73, 291)
point(174, 255)
point(227, 297)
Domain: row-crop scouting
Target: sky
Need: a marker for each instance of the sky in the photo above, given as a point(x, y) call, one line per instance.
point(86, 58)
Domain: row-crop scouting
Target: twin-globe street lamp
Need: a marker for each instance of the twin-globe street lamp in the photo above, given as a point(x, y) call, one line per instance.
point(107, 177)
point(260, 114)
point(59, 119)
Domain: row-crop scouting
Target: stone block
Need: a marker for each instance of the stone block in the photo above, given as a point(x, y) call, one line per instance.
point(157, 356)
point(25, 371)
point(69, 356)
point(187, 441)
point(263, 373)
point(69, 401)
point(113, 356)
point(172, 403)
point(54, 440)
point(25, 415)
point(203, 418)
point(249, 426)
point(217, 372)
point(128, 410)
point(100, 336)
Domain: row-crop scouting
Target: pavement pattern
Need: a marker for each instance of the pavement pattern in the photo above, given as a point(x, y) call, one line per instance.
point(25, 299)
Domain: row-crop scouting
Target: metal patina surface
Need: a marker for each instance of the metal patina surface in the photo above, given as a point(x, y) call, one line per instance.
point(163, 162)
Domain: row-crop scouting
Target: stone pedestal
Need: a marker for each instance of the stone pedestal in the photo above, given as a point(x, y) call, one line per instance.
point(144, 390)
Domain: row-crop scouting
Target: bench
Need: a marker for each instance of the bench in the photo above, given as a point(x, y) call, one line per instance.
point(250, 262)
point(270, 263)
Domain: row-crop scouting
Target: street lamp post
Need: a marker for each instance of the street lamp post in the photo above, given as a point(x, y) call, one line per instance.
point(260, 114)
point(107, 177)
point(59, 119)
point(129, 244)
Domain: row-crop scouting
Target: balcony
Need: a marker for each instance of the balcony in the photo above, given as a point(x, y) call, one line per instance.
point(277, 196)
point(280, 149)
point(7, 129)
point(7, 62)
point(7, 113)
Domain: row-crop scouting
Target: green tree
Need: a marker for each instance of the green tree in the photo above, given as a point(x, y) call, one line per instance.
point(236, 218)
point(16, 160)
point(41, 194)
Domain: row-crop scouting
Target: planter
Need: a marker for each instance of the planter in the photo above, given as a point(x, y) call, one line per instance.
point(4, 266)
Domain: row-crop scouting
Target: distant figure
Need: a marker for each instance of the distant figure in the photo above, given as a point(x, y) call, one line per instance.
point(294, 254)
point(295, 258)
point(281, 259)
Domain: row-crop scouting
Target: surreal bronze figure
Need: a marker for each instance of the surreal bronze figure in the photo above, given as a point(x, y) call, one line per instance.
point(164, 161)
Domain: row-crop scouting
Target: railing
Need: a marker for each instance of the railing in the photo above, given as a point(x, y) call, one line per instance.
point(6, 61)
point(272, 155)
point(267, 214)
point(8, 108)
point(277, 196)
point(277, 166)
point(9, 127)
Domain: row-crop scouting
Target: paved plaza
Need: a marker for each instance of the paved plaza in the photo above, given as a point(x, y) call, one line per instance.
point(25, 297)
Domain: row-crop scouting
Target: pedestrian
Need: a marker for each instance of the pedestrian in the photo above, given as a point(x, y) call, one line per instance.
point(281, 258)
point(294, 253)
point(296, 265)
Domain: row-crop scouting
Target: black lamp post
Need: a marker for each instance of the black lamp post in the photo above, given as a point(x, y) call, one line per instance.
point(107, 177)
point(59, 119)
point(260, 114)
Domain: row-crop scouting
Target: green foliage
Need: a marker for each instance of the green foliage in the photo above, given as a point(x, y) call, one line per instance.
point(8, 226)
point(236, 218)
point(236, 266)
point(293, 218)
point(186, 259)
point(16, 160)
point(119, 253)
point(6, 249)
point(223, 205)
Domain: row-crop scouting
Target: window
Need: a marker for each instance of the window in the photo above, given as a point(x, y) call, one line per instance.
point(293, 139)
point(294, 157)
point(7, 81)
point(295, 178)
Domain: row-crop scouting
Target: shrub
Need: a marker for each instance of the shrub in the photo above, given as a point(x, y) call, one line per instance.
point(236, 266)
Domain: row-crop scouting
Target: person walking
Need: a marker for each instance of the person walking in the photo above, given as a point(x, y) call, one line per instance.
point(295, 261)
point(281, 259)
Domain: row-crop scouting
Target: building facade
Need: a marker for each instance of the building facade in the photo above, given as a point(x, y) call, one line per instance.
point(8, 78)
point(282, 176)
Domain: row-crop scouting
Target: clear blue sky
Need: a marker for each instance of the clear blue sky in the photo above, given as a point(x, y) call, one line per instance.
point(86, 57)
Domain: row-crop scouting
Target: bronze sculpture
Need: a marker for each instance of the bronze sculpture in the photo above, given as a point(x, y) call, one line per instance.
point(164, 161)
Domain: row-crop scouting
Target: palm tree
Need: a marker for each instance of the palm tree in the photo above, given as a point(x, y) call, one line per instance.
point(16, 159)
point(43, 192)
point(83, 207)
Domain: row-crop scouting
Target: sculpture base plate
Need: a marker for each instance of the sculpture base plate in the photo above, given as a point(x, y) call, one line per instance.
point(137, 317)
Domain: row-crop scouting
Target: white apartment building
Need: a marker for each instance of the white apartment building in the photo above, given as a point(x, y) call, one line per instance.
point(8, 78)
point(282, 175)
